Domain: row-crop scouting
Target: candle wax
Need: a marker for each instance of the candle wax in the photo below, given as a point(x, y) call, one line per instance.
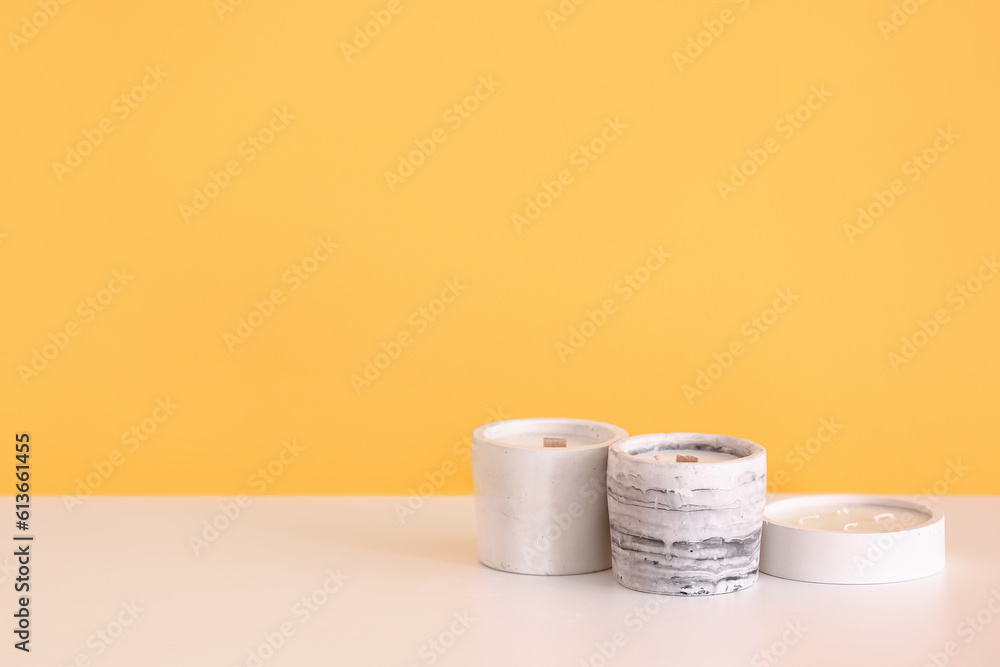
point(852, 518)
point(704, 456)
point(538, 439)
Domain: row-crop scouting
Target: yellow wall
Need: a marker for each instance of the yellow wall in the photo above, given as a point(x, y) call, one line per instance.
point(171, 95)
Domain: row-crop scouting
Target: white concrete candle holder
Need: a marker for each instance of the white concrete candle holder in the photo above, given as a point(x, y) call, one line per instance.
point(686, 528)
point(541, 494)
point(852, 539)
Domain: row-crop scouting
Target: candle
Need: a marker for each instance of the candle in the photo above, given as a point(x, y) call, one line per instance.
point(541, 494)
point(847, 539)
point(699, 456)
point(555, 439)
point(851, 517)
point(686, 528)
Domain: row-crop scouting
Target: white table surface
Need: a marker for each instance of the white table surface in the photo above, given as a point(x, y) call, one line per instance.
point(413, 583)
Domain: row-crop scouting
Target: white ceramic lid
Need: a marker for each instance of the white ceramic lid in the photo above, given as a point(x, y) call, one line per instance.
point(811, 538)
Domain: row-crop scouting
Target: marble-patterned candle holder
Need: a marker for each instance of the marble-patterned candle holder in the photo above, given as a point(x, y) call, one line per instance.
point(541, 494)
point(686, 528)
